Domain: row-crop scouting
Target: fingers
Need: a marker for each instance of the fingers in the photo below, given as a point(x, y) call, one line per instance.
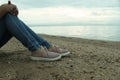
point(14, 11)
point(10, 8)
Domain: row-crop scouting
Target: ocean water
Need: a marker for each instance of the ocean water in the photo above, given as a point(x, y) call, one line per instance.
point(111, 33)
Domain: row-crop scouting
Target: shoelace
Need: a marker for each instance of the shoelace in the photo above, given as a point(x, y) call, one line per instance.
point(46, 50)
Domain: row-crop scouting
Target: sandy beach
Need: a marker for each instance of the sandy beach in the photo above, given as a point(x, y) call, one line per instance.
point(89, 60)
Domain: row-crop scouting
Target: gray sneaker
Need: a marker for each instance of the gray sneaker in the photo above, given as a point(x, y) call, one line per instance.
point(62, 52)
point(51, 56)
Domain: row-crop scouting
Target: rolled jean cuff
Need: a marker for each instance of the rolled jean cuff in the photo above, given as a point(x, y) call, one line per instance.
point(34, 47)
point(46, 44)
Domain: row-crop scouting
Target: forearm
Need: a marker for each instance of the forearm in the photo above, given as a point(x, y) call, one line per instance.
point(2, 11)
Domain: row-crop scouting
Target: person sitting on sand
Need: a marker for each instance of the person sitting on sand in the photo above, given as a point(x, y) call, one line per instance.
point(11, 25)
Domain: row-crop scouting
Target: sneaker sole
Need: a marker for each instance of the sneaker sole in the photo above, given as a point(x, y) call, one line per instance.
point(45, 59)
point(65, 54)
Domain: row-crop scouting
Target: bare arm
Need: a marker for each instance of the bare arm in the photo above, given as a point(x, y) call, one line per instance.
point(8, 8)
point(2, 11)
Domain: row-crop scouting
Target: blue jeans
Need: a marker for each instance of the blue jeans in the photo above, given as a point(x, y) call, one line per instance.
point(12, 26)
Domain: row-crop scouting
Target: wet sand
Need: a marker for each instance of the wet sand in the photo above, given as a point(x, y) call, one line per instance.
point(89, 60)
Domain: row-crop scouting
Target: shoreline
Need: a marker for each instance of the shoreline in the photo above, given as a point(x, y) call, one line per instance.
point(77, 38)
point(89, 60)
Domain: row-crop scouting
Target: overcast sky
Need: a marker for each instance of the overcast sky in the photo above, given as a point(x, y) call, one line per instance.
point(68, 11)
point(74, 3)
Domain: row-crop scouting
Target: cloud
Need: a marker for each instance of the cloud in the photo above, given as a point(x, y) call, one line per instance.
point(74, 3)
point(54, 14)
point(65, 15)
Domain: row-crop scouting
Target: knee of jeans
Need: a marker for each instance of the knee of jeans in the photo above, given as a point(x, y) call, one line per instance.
point(8, 19)
point(7, 16)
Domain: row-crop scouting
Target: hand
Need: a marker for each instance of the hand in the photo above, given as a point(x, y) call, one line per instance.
point(10, 8)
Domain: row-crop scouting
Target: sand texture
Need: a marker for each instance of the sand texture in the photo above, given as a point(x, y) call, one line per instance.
point(89, 60)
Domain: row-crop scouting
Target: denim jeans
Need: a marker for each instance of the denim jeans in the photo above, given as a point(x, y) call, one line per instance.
point(11, 25)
